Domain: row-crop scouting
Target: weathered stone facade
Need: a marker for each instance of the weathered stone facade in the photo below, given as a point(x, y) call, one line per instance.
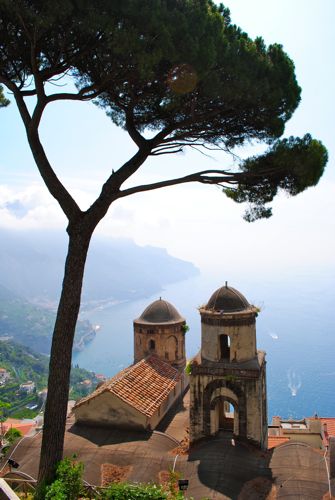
point(141, 395)
point(229, 369)
point(160, 330)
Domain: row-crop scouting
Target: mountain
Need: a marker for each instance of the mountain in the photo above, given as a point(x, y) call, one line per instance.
point(31, 325)
point(32, 264)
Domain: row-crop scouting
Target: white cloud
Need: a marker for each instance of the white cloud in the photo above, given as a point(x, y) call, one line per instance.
point(37, 208)
point(198, 223)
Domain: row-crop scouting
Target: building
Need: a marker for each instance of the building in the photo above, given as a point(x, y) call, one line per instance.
point(314, 431)
point(160, 330)
point(4, 376)
point(229, 373)
point(27, 387)
point(140, 396)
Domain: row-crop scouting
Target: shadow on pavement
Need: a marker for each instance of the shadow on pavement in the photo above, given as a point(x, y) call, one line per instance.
point(236, 470)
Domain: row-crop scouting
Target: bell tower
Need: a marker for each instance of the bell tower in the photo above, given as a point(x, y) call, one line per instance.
point(160, 330)
point(228, 378)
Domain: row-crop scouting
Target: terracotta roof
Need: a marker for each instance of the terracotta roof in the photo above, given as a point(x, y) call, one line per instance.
point(330, 422)
point(24, 427)
point(144, 385)
point(274, 441)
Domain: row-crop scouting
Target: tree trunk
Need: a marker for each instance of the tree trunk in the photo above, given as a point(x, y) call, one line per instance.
point(61, 355)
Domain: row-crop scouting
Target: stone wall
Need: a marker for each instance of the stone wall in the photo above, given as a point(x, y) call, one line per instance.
point(166, 341)
point(247, 395)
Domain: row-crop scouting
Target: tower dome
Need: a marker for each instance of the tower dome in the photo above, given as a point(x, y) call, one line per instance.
point(230, 372)
point(227, 300)
point(160, 330)
point(228, 327)
point(160, 312)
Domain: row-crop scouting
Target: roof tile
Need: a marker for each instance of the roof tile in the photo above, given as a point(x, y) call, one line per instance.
point(144, 385)
point(330, 422)
point(274, 441)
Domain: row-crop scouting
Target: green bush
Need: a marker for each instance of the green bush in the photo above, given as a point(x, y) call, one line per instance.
point(13, 434)
point(68, 484)
point(125, 491)
point(188, 368)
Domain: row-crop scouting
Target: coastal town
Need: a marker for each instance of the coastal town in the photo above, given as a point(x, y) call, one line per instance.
point(200, 417)
point(167, 250)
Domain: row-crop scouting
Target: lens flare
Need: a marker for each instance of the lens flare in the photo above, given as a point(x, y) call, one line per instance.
point(182, 79)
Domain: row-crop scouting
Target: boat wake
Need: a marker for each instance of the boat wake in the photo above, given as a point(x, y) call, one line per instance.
point(294, 382)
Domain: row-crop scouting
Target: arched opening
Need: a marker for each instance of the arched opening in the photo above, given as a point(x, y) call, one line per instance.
point(172, 348)
point(225, 347)
point(224, 416)
point(152, 345)
point(221, 389)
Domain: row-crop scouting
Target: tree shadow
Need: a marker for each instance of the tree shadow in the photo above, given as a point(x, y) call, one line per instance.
point(235, 469)
point(102, 436)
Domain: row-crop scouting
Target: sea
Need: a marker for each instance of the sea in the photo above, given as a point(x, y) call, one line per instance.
point(296, 328)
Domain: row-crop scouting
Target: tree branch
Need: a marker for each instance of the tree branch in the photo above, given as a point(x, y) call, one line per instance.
point(83, 95)
point(22, 107)
point(54, 185)
point(111, 189)
point(203, 177)
point(132, 130)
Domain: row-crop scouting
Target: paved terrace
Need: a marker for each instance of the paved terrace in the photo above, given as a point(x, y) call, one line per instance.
point(217, 468)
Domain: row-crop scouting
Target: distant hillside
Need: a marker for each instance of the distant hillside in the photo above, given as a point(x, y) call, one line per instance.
point(32, 263)
point(24, 364)
point(31, 325)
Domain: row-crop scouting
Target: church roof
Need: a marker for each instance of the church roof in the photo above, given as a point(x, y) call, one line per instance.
point(274, 441)
point(144, 385)
point(160, 312)
point(227, 299)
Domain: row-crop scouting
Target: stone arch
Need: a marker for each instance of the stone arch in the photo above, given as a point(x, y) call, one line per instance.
point(217, 423)
point(172, 347)
point(235, 394)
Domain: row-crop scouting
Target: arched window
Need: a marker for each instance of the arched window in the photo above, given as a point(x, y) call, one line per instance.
point(172, 348)
point(224, 347)
point(151, 345)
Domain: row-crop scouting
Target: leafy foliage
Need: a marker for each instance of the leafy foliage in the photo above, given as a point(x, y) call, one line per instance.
point(24, 364)
point(68, 484)
point(185, 328)
point(3, 101)
point(3, 407)
point(188, 368)
point(13, 434)
point(291, 165)
point(231, 89)
point(122, 491)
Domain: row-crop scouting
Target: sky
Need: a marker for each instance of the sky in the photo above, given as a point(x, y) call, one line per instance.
point(193, 222)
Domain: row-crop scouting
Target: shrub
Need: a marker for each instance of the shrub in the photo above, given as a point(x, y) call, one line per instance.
point(68, 484)
point(13, 434)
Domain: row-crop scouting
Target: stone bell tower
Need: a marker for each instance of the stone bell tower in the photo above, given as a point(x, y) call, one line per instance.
point(229, 372)
point(160, 330)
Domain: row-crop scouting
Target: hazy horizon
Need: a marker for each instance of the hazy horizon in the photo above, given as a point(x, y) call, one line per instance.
point(193, 222)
